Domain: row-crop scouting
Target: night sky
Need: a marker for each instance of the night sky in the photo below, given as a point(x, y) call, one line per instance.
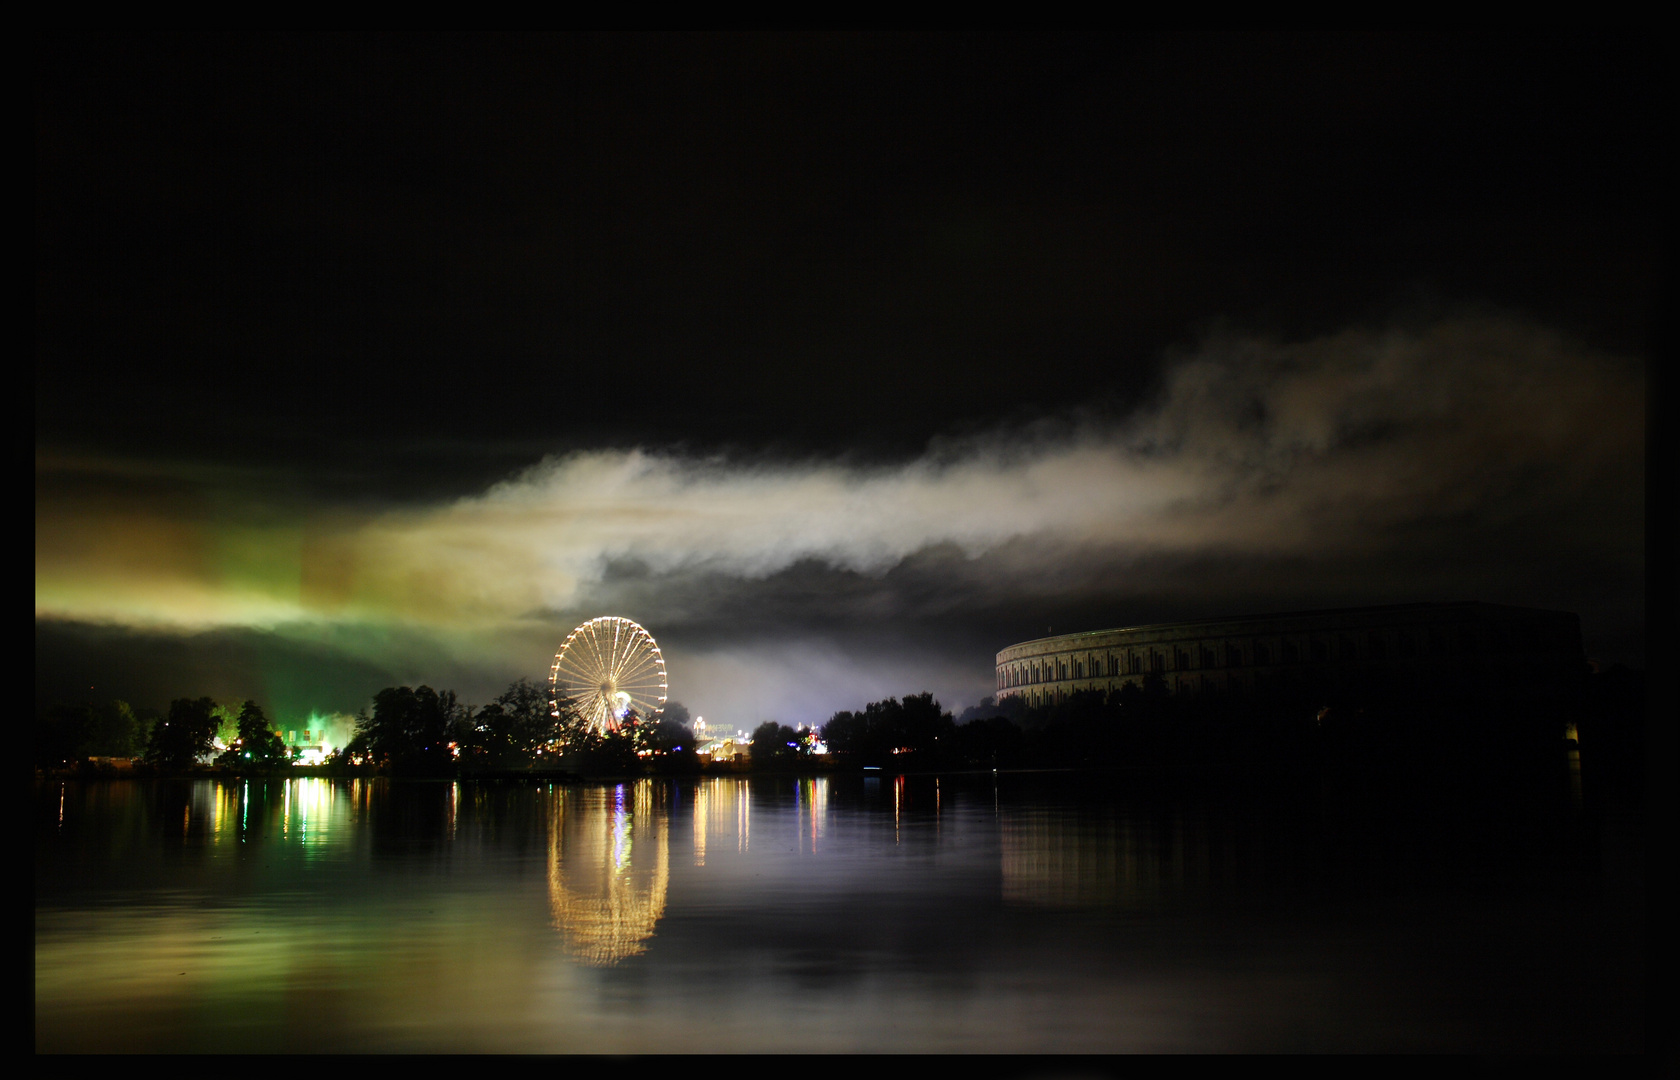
point(838, 362)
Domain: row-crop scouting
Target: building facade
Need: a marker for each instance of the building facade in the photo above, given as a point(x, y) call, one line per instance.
point(1485, 645)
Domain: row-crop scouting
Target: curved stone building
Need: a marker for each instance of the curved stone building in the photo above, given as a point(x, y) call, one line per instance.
point(1417, 644)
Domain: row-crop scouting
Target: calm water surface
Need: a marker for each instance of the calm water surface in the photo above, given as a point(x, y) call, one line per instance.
point(1023, 913)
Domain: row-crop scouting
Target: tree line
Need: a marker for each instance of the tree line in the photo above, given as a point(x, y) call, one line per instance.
point(69, 735)
point(425, 731)
point(421, 731)
point(410, 730)
point(1147, 725)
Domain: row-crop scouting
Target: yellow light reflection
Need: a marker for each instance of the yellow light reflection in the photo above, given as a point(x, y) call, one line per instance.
point(702, 807)
point(308, 810)
point(608, 870)
point(898, 802)
point(743, 817)
point(720, 805)
point(1058, 859)
point(814, 805)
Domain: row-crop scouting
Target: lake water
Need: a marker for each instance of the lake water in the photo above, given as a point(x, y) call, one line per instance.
point(1044, 913)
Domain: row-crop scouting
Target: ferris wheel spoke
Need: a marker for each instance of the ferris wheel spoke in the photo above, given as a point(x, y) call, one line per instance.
point(653, 682)
point(578, 665)
point(574, 659)
point(625, 662)
point(646, 689)
point(591, 631)
point(645, 678)
point(636, 660)
point(576, 688)
point(584, 656)
point(611, 655)
point(636, 649)
point(627, 654)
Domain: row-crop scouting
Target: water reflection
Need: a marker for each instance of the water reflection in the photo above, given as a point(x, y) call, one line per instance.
point(311, 810)
point(609, 867)
point(1149, 855)
point(722, 814)
point(812, 809)
point(1019, 913)
point(1057, 858)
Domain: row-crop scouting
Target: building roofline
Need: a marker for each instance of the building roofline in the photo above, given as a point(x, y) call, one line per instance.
point(1460, 604)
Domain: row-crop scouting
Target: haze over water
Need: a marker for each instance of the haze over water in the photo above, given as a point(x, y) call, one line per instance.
point(1047, 912)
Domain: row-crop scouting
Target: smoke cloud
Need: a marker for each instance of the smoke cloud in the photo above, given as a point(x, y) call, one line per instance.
point(1471, 442)
point(1254, 448)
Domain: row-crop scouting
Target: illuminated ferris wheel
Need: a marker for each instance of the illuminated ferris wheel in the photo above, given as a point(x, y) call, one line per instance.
point(607, 667)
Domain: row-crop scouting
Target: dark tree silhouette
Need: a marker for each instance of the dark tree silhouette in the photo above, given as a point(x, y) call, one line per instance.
point(60, 735)
point(114, 730)
point(530, 719)
point(994, 743)
point(512, 731)
point(776, 744)
point(185, 735)
point(411, 729)
point(616, 752)
point(672, 741)
point(916, 726)
point(258, 743)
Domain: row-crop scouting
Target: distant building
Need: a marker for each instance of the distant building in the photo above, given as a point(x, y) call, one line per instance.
point(1406, 645)
point(730, 749)
point(323, 737)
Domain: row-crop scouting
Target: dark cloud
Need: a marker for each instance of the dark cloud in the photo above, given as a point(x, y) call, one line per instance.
point(1474, 457)
point(414, 263)
point(837, 360)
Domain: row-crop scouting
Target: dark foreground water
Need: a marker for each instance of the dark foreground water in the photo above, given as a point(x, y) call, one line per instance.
point(969, 913)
